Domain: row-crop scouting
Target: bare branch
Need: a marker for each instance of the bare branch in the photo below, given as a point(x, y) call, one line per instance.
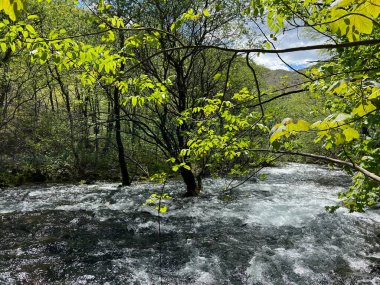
point(326, 158)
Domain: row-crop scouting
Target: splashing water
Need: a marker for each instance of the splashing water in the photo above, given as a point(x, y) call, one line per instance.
point(266, 232)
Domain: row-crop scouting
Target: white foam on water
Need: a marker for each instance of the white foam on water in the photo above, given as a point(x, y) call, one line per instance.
point(298, 242)
point(302, 270)
point(201, 270)
point(84, 280)
point(357, 264)
point(255, 271)
point(6, 278)
point(205, 278)
point(137, 271)
point(373, 281)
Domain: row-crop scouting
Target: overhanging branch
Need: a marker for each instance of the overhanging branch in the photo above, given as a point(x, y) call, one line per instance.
point(326, 158)
point(261, 50)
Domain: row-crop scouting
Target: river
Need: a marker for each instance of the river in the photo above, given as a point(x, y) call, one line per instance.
point(274, 231)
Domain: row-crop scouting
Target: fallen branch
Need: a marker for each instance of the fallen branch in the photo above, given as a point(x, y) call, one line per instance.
point(326, 158)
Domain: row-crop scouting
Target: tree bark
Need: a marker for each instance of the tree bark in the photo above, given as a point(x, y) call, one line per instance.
point(126, 181)
point(120, 147)
point(109, 129)
point(193, 184)
point(50, 94)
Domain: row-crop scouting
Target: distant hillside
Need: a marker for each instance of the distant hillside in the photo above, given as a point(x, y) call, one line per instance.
point(297, 106)
point(280, 78)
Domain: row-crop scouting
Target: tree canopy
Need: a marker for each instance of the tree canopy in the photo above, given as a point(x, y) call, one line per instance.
point(180, 78)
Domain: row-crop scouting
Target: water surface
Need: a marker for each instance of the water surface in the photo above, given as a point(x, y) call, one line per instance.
point(264, 232)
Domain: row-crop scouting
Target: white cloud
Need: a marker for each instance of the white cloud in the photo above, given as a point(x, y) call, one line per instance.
point(297, 60)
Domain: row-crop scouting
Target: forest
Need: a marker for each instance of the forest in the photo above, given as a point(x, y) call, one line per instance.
point(146, 142)
point(137, 90)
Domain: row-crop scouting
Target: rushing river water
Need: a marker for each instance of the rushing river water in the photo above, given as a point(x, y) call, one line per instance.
point(267, 232)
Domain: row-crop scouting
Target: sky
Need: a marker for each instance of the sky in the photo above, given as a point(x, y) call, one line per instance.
point(297, 60)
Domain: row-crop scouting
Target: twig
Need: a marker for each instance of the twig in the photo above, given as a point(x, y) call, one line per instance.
point(159, 228)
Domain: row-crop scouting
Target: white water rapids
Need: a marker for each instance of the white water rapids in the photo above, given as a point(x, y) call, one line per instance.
point(264, 232)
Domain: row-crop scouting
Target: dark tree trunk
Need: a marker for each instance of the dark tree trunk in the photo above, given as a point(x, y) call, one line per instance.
point(109, 130)
point(116, 104)
point(50, 94)
point(193, 184)
point(83, 109)
point(120, 147)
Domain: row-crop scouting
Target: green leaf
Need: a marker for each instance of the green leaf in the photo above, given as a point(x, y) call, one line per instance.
point(56, 59)
point(12, 7)
point(206, 12)
point(375, 93)
point(339, 139)
point(111, 36)
point(363, 109)
point(163, 209)
point(362, 25)
point(350, 134)
point(175, 168)
point(30, 29)
point(186, 167)
point(3, 47)
point(134, 101)
point(217, 76)
point(278, 134)
point(33, 17)
point(302, 126)
point(101, 5)
point(172, 160)
point(328, 145)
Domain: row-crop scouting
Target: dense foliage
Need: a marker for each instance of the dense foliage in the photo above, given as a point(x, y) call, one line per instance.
point(159, 86)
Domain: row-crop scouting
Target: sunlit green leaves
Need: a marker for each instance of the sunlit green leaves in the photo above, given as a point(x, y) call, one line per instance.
point(3, 47)
point(351, 130)
point(117, 22)
point(350, 133)
point(12, 8)
point(359, 196)
point(364, 109)
point(33, 17)
point(288, 128)
point(189, 15)
point(348, 18)
point(108, 37)
point(102, 6)
point(222, 127)
point(353, 19)
point(159, 201)
point(217, 76)
point(206, 12)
